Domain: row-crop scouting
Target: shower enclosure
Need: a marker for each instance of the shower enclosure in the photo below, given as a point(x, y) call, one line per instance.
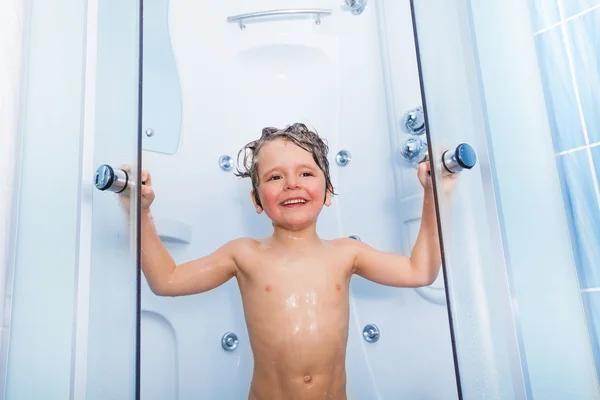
point(178, 87)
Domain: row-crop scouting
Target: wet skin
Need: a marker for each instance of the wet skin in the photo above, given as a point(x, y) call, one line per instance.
point(296, 307)
point(294, 286)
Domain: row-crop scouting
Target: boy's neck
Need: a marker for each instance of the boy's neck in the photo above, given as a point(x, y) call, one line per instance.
point(299, 237)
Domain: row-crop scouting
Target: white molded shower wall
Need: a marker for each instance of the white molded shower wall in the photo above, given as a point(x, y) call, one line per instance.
point(352, 78)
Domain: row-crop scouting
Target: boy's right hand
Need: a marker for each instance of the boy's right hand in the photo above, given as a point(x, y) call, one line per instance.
point(147, 191)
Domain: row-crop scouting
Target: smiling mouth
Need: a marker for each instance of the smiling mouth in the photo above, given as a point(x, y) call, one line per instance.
point(294, 202)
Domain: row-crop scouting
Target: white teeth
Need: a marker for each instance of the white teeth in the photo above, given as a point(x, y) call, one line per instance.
point(295, 201)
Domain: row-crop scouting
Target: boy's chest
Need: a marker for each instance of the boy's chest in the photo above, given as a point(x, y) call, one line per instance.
point(303, 276)
point(316, 292)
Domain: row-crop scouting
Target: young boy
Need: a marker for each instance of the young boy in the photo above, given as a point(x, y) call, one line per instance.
point(294, 285)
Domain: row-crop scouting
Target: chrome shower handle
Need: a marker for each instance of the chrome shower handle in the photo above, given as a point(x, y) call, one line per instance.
point(111, 179)
point(414, 151)
point(462, 157)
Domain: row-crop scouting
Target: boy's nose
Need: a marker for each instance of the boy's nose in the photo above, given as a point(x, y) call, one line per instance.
point(291, 184)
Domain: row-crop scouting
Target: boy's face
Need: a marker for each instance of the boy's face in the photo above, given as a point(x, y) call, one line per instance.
point(291, 185)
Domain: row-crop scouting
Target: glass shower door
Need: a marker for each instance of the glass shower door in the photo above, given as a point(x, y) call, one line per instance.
point(485, 344)
point(114, 281)
point(516, 315)
point(73, 301)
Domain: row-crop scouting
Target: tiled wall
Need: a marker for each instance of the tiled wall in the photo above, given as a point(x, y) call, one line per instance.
point(567, 34)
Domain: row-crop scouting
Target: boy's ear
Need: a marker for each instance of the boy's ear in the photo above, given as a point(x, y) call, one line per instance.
point(328, 196)
point(256, 205)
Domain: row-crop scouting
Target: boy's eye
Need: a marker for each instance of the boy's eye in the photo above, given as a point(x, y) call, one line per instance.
point(307, 174)
point(274, 177)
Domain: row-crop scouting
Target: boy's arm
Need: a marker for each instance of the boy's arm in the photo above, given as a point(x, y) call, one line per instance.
point(167, 279)
point(420, 269)
point(423, 265)
point(164, 277)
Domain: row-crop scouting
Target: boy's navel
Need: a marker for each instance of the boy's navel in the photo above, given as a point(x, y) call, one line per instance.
point(338, 287)
point(268, 288)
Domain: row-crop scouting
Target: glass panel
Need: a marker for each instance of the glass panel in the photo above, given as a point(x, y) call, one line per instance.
point(210, 87)
point(73, 313)
point(512, 280)
point(113, 289)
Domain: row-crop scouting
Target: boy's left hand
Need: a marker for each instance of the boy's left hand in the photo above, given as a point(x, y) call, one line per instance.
point(449, 180)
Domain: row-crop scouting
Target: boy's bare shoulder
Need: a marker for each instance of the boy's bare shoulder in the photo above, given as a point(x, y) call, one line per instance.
point(345, 246)
point(243, 245)
point(243, 251)
point(344, 243)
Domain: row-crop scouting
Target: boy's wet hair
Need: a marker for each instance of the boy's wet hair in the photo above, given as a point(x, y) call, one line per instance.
point(296, 133)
